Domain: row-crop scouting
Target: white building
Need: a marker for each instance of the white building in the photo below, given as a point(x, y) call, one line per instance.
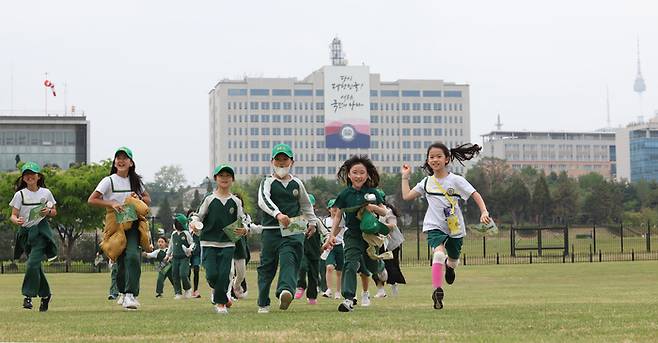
point(576, 153)
point(399, 120)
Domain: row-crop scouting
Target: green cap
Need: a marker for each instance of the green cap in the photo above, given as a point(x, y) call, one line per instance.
point(182, 219)
point(126, 150)
point(31, 166)
point(282, 149)
point(311, 198)
point(223, 167)
point(330, 203)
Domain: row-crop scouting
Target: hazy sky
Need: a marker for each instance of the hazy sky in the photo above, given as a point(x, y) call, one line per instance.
point(142, 70)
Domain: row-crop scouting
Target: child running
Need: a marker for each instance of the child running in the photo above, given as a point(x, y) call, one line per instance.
point(122, 185)
point(182, 245)
point(195, 259)
point(334, 259)
point(31, 204)
point(285, 203)
point(360, 197)
point(164, 267)
point(218, 211)
point(444, 223)
point(310, 264)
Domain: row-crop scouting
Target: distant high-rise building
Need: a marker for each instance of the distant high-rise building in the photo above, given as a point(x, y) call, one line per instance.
point(48, 140)
point(637, 147)
point(576, 153)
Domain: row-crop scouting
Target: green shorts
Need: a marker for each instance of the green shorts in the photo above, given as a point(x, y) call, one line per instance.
point(336, 258)
point(453, 245)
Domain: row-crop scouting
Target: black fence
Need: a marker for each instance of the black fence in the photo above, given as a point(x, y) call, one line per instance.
point(511, 245)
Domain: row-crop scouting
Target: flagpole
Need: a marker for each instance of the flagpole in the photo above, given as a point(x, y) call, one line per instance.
point(46, 96)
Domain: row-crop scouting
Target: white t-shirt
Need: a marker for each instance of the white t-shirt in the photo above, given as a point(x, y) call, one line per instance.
point(30, 200)
point(328, 222)
point(454, 185)
point(115, 187)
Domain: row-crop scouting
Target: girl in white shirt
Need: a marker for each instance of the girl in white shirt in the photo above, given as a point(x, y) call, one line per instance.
point(444, 223)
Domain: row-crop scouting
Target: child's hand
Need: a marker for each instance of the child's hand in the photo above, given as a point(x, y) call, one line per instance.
point(406, 170)
point(283, 219)
point(372, 208)
point(330, 242)
point(44, 211)
point(20, 221)
point(484, 217)
point(310, 231)
point(143, 254)
point(241, 231)
point(117, 207)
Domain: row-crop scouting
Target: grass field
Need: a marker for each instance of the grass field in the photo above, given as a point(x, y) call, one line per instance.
point(604, 302)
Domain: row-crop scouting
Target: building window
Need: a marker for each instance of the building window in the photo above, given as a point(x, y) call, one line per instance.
point(373, 106)
point(319, 92)
point(452, 94)
point(427, 106)
point(410, 93)
point(265, 144)
point(416, 132)
point(259, 92)
point(390, 93)
point(437, 106)
point(405, 106)
point(406, 119)
point(281, 92)
point(373, 92)
point(287, 118)
point(265, 118)
point(438, 132)
point(253, 105)
point(319, 131)
point(276, 118)
point(237, 92)
point(287, 105)
point(416, 119)
point(374, 119)
point(373, 131)
point(253, 118)
point(276, 105)
point(264, 105)
point(287, 131)
point(319, 105)
point(427, 132)
point(406, 145)
point(254, 131)
point(406, 132)
point(322, 170)
point(303, 92)
point(319, 119)
point(276, 131)
point(432, 94)
point(310, 170)
point(415, 107)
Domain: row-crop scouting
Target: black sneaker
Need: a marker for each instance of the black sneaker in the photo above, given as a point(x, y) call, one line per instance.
point(111, 297)
point(346, 306)
point(159, 295)
point(44, 303)
point(450, 275)
point(437, 297)
point(27, 303)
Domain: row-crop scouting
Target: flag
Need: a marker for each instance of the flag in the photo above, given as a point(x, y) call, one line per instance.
point(50, 85)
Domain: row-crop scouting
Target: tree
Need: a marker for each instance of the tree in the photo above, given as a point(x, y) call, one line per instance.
point(165, 215)
point(518, 197)
point(565, 199)
point(541, 200)
point(196, 201)
point(169, 178)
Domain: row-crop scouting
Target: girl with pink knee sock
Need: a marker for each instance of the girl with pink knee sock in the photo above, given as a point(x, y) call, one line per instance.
point(444, 223)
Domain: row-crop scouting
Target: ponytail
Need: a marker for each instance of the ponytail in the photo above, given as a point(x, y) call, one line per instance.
point(461, 153)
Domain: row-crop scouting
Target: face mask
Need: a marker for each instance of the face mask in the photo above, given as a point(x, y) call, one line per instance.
point(281, 172)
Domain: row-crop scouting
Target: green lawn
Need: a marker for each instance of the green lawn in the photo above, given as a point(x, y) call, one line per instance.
point(600, 302)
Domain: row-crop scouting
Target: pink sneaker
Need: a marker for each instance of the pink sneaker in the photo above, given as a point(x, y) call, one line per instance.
point(312, 301)
point(299, 293)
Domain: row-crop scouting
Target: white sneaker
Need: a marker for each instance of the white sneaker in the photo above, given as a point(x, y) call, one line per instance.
point(136, 301)
point(120, 299)
point(188, 294)
point(129, 302)
point(178, 297)
point(394, 290)
point(264, 309)
point(365, 299)
point(285, 298)
point(383, 275)
point(221, 309)
point(212, 296)
point(381, 293)
point(327, 293)
point(337, 296)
